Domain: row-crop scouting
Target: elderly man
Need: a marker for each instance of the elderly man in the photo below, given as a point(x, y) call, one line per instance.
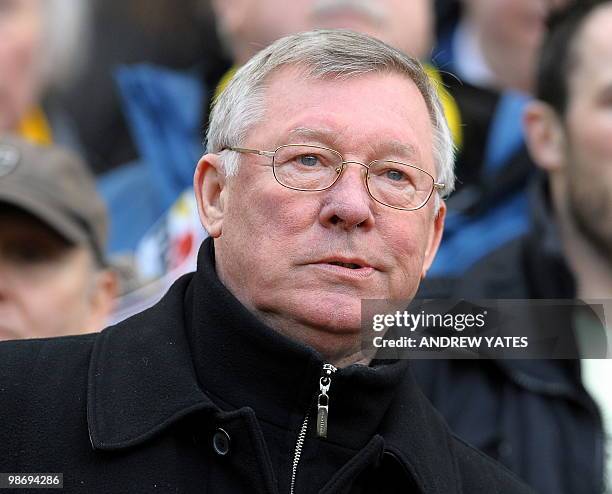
point(53, 276)
point(328, 153)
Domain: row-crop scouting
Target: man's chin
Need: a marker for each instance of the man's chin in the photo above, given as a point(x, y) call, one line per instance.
point(333, 314)
point(343, 345)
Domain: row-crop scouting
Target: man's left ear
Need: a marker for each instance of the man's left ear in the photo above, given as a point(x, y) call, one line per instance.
point(102, 298)
point(209, 186)
point(545, 136)
point(435, 237)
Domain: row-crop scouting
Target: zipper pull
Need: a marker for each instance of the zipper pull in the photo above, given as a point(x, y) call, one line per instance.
point(323, 400)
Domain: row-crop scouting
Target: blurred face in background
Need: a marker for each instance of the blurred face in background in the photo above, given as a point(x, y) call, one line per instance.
point(250, 25)
point(588, 132)
point(20, 42)
point(48, 287)
point(509, 34)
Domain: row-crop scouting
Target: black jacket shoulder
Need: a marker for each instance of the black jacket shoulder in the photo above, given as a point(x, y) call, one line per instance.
point(480, 473)
point(43, 387)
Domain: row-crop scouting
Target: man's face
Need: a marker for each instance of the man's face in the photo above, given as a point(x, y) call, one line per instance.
point(510, 34)
point(406, 25)
point(20, 32)
point(277, 247)
point(588, 133)
point(45, 284)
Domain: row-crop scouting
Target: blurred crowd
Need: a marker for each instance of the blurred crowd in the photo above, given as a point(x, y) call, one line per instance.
point(103, 108)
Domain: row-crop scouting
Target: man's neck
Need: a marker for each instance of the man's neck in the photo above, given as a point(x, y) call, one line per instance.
point(592, 271)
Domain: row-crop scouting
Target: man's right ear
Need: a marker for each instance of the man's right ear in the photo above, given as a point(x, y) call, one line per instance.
point(210, 188)
point(545, 136)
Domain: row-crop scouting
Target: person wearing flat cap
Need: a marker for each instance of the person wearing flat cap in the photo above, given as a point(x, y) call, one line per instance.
point(54, 278)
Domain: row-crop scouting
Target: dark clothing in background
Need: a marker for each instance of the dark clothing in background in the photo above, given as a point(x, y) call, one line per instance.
point(176, 35)
point(490, 178)
point(165, 110)
point(447, 13)
point(532, 266)
point(489, 207)
point(532, 415)
point(197, 395)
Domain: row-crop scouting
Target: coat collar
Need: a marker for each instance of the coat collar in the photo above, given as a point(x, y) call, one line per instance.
point(420, 440)
point(150, 371)
point(141, 378)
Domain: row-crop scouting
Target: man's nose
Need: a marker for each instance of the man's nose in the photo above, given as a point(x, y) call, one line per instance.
point(347, 204)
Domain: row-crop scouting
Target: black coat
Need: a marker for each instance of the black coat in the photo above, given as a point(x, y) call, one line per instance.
point(196, 395)
point(534, 416)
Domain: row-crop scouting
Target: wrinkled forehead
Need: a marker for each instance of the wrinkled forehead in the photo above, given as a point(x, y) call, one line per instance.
point(377, 114)
point(292, 79)
point(289, 74)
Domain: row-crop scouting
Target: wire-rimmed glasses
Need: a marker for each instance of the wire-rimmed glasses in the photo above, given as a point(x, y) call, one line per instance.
point(308, 168)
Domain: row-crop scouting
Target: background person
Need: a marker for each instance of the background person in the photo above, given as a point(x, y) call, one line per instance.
point(487, 60)
point(44, 45)
point(53, 276)
point(163, 33)
point(247, 26)
point(549, 420)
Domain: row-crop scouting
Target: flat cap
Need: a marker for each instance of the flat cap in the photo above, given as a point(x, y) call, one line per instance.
point(55, 186)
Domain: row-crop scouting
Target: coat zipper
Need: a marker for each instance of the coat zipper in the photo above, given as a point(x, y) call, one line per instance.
point(298, 452)
point(322, 414)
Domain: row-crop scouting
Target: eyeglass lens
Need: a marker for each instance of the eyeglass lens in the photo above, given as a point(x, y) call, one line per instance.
point(393, 183)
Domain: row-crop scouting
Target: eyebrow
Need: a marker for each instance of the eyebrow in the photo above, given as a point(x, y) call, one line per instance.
point(388, 148)
point(321, 135)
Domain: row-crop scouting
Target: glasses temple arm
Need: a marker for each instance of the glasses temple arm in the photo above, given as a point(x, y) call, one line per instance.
point(269, 154)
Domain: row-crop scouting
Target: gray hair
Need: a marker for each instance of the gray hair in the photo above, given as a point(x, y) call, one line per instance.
point(337, 53)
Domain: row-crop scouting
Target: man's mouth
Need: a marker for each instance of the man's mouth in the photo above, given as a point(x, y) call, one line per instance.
point(346, 269)
point(353, 263)
point(349, 265)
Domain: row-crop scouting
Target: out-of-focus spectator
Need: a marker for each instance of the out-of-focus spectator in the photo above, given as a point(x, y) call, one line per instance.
point(505, 35)
point(536, 416)
point(247, 26)
point(175, 35)
point(488, 60)
point(43, 46)
point(54, 279)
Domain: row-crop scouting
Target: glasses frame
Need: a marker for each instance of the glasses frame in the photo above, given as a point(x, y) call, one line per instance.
point(272, 154)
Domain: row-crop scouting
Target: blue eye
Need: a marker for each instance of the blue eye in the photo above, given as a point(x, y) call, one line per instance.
point(395, 175)
point(308, 160)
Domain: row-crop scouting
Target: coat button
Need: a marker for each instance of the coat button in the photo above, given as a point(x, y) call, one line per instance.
point(221, 442)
